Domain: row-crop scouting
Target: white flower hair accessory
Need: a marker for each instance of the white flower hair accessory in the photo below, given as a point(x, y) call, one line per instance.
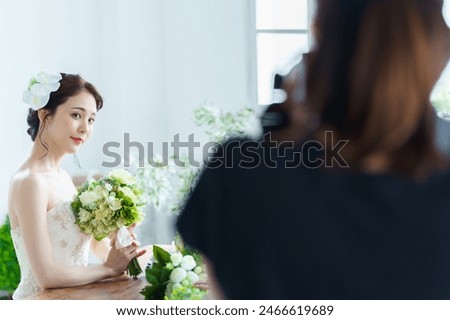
point(39, 89)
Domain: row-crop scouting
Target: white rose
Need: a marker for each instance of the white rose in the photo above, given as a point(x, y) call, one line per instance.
point(88, 197)
point(123, 176)
point(101, 192)
point(108, 187)
point(192, 276)
point(176, 258)
point(188, 263)
point(99, 189)
point(177, 275)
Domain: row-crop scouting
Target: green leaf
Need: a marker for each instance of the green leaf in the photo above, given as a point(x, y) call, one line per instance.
point(157, 277)
point(151, 278)
point(164, 275)
point(150, 292)
point(151, 275)
point(154, 292)
point(156, 267)
point(157, 274)
point(161, 255)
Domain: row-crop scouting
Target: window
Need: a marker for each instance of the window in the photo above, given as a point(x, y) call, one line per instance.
point(282, 35)
point(441, 93)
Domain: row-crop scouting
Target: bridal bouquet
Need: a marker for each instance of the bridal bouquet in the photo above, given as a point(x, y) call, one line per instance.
point(177, 276)
point(111, 203)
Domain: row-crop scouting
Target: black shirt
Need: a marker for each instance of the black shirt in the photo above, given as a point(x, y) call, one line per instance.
point(301, 233)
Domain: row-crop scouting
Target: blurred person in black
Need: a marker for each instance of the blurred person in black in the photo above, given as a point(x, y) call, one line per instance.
point(372, 224)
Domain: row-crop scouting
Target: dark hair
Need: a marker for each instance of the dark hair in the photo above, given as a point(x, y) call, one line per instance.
point(71, 85)
point(371, 75)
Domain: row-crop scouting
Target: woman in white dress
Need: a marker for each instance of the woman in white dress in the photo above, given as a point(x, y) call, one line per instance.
point(51, 249)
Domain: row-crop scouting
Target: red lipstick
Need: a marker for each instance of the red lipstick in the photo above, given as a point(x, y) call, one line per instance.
point(77, 140)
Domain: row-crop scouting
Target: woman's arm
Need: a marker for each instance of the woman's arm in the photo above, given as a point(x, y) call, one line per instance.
point(30, 205)
point(101, 249)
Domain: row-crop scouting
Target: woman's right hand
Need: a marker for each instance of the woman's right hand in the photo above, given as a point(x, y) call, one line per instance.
point(118, 259)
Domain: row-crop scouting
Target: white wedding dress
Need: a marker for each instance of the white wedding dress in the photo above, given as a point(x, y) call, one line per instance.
point(70, 247)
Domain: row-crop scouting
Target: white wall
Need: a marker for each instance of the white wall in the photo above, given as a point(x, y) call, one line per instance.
point(131, 56)
point(154, 61)
point(38, 35)
point(207, 50)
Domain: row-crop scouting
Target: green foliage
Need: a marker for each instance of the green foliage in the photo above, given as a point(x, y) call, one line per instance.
point(441, 101)
point(169, 182)
point(221, 125)
point(161, 255)
point(155, 179)
point(162, 284)
point(187, 293)
point(187, 177)
point(188, 251)
point(9, 266)
point(157, 275)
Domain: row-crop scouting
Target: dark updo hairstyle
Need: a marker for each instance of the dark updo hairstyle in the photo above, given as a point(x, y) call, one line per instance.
point(71, 85)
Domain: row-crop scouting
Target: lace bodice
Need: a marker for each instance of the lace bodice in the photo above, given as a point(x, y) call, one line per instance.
point(70, 247)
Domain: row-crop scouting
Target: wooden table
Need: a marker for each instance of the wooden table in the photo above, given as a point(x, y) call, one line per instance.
point(119, 288)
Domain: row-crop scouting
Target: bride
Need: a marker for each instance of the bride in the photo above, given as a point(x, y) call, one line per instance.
point(51, 249)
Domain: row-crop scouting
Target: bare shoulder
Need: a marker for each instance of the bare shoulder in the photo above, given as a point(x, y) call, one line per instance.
point(28, 180)
point(29, 187)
